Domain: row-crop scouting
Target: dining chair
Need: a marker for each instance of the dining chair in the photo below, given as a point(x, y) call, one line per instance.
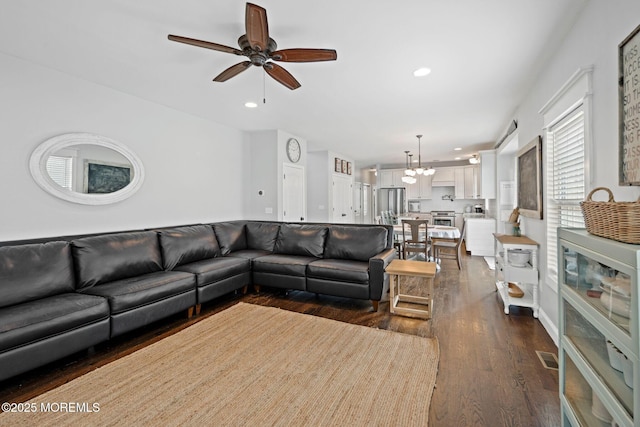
point(449, 248)
point(415, 237)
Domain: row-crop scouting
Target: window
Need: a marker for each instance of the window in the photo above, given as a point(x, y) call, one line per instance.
point(60, 170)
point(567, 124)
point(565, 179)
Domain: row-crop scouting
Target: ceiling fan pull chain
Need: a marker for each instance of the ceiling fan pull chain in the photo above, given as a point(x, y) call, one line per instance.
point(264, 89)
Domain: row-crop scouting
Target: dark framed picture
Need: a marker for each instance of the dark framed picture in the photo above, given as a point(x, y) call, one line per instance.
point(338, 166)
point(105, 178)
point(530, 179)
point(349, 168)
point(344, 166)
point(628, 116)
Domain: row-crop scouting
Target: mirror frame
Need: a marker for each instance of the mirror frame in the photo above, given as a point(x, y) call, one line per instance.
point(38, 168)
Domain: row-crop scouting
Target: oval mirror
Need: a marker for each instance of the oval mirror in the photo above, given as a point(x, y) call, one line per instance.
point(86, 168)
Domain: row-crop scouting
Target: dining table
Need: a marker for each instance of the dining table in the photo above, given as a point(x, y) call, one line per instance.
point(433, 231)
point(437, 231)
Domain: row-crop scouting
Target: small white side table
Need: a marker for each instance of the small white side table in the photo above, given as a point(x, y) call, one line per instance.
point(422, 307)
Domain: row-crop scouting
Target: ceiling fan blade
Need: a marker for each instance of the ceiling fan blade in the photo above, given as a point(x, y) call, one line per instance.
point(232, 71)
point(304, 55)
point(281, 75)
point(257, 27)
point(207, 45)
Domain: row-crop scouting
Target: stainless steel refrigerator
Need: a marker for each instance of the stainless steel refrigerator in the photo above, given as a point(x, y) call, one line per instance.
point(392, 199)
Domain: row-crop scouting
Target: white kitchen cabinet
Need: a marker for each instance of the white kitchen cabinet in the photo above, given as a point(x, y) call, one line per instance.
point(444, 177)
point(526, 276)
point(425, 186)
point(478, 237)
point(598, 330)
point(472, 182)
point(458, 174)
point(391, 178)
point(413, 190)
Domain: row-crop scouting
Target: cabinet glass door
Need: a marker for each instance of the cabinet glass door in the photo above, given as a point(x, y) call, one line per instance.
point(603, 287)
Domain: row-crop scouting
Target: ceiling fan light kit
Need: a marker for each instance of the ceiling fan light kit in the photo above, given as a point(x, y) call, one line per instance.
point(474, 160)
point(261, 50)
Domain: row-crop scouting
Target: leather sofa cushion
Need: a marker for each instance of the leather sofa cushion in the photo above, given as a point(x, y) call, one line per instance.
point(183, 245)
point(35, 320)
point(339, 269)
point(301, 239)
point(30, 272)
point(134, 292)
point(262, 235)
point(103, 259)
point(288, 265)
point(355, 243)
point(249, 253)
point(231, 236)
point(212, 270)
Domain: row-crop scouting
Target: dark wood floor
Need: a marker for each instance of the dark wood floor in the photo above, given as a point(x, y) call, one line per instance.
point(489, 373)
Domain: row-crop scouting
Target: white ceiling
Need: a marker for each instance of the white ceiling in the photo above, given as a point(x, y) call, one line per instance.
point(366, 105)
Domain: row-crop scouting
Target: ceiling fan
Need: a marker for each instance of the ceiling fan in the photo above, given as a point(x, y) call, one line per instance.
point(261, 50)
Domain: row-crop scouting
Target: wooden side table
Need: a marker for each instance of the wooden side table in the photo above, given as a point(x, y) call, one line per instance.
point(421, 306)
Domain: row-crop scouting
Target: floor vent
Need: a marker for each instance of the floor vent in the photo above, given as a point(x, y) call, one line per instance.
point(548, 360)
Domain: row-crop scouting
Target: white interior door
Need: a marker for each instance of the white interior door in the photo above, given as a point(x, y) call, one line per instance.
point(357, 203)
point(342, 199)
point(293, 193)
point(367, 205)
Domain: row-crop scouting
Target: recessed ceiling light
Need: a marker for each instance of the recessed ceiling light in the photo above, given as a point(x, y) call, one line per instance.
point(250, 104)
point(458, 158)
point(421, 72)
point(457, 149)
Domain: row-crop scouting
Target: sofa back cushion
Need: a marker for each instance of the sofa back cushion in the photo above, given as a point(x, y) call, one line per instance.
point(355, 243)
point(301, 239)
point(231, 236)
point(30, 272)
point(183, 245)
point(110, 257)
point(262, 235)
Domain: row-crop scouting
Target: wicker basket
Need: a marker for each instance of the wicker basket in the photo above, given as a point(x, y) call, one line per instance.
point(613, 220)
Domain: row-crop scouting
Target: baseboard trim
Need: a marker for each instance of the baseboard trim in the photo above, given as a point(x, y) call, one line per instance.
point(548, 325)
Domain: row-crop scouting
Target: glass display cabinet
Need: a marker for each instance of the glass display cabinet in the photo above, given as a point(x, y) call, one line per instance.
point(598, 328)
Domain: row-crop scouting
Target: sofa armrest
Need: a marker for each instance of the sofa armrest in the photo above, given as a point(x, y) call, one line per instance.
point(377, 276)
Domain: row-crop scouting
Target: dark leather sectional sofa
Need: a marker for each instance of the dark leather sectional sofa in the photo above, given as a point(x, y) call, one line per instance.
point(62, 295)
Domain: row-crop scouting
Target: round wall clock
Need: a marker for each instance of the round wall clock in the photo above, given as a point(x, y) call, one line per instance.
point(293, 150)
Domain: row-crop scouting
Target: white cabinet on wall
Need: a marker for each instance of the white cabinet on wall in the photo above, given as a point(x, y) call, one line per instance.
point(425, 186)
point(599, 348)
point(421, 189)
point(472, 183)
point(444, 177)
point(391, 178)
point(460, 184)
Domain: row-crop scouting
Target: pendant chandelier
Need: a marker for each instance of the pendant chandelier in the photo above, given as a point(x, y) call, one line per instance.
point(408, 178)
point(420, 170)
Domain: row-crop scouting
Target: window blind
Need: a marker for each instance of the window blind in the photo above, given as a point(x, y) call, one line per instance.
point(565, 178)
point(60, 170)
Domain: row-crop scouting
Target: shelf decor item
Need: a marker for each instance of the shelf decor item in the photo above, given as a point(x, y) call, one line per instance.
point(612, 220)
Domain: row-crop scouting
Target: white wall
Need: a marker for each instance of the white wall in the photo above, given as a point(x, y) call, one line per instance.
point(191, 164)
point(320, 186)
point(266, 154)
point(593, 40)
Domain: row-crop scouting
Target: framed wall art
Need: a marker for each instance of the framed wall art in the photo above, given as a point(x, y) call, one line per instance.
point(349, 171)
point(530, 179)
point(629, 109)
point(344, 166)
point(338, 165)
point(105, 178)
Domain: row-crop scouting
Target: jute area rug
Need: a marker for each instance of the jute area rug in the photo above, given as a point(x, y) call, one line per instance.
point(252, 366)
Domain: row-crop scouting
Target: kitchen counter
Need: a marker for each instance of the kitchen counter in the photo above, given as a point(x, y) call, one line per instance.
point(475, 215)
point(479, 235)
